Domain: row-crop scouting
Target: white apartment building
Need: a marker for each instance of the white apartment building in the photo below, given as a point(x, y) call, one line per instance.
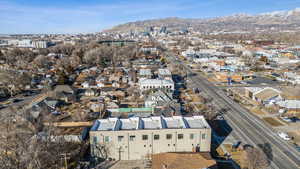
point(137, 138)
point(40, 44)
point(146, 84)
point(25, 43)
point(145, 73)
point(164, 73)
point(148, 49)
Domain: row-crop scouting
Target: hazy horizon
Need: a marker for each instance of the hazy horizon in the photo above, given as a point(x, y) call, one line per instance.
point(67, 16)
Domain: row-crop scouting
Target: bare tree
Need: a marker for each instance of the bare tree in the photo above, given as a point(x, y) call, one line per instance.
point(42, 61)
point(23, 146)
point(14, 82)
point(255, 158)
point(98, 56)
point(63, 49)
point(18, 57)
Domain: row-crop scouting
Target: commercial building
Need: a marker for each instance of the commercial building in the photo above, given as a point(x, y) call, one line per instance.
point(138, 138)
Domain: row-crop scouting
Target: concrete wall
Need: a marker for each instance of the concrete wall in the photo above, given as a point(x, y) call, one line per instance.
point(137, 148)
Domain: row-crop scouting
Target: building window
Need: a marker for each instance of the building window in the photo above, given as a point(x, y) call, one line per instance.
point(144, 137)
point(180, 136)
point(169, 136)
point(120, 138)
point(131, 138)
point(203, 136)
point(95, 139)
point(106, 139)
point(156, 137)
point(191, 136)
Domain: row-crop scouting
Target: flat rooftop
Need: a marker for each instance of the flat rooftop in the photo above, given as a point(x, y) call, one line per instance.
point(155, 82)
point(145, 72)
point(164, 72)
point(155, 122)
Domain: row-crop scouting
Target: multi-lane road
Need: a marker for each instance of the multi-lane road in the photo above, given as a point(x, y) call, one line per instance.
point(245, 126)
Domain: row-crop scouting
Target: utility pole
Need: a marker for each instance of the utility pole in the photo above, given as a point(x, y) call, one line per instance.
point(65, 157)
point(113, 58)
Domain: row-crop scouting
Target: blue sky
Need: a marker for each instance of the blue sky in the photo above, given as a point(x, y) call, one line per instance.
point(82, 16)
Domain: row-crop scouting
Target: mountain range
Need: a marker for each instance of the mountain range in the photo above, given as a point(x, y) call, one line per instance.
point(276, 21)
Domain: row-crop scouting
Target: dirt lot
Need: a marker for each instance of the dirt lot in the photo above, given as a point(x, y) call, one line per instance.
point(235, 155)
point(296, 136)
point(272, 121)
point(257, 111)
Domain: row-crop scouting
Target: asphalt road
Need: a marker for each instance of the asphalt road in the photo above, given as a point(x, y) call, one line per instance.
point(247, 127)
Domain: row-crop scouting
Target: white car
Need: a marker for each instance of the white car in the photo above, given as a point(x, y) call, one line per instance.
point(286, 119)
point(284, 136)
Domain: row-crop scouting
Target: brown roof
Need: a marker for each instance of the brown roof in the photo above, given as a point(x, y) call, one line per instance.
point(182, 161)
point(64, 88)
point(291, 93)
point(266, 94)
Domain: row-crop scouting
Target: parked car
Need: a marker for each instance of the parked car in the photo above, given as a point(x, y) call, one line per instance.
point(290, 119)
point(295, 119)
point(284, 136)
point(17, 100)
point(286, 119)
point(298, 148)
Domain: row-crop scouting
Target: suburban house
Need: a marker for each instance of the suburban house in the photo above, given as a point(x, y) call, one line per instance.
point(136, 138)
point(163, 103)
point(65, 93)
point(64, 88)
point(158, 98)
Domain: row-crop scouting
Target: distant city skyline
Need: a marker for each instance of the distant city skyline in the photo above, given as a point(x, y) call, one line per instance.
point(70, 16)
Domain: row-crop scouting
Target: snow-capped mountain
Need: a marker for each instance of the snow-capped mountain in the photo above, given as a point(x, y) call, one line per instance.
point(282, 13)
point(272, 21)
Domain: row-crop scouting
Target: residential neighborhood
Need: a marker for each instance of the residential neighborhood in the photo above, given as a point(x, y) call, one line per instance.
point(168, 93)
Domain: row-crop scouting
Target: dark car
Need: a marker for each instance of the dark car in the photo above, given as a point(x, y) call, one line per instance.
point(297, 147)
point(295, 119)
point(17, 100)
